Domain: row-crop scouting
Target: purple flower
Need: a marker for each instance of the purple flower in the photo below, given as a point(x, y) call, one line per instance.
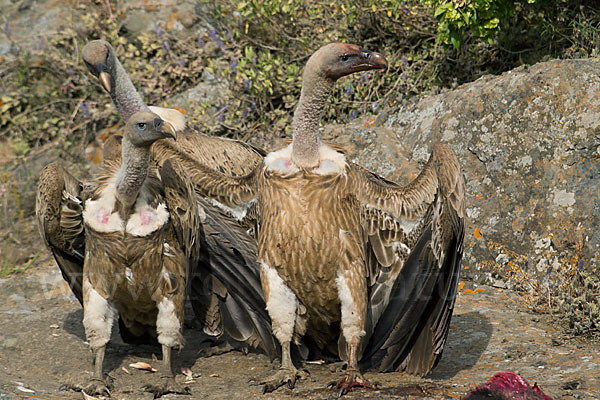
point(245, 113)
point(200, 41)
point(166, 45)
point(154, 63)
point(182, 62)
point(404, 59)
point(254, 60)
point(234, 63)
point(213, 34)
point(7, 28)
point(158, 31)
point(247, 85)
point(349, 89)
point(353, 115)
point(85, 108)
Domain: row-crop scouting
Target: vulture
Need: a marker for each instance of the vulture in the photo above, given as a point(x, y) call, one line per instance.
point(223, 283)
point(140, 238)
point(364, 269)
point(507, 385)
point(225, 289)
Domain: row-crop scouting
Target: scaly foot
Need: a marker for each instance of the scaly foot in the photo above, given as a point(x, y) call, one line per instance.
point(168, 385)
point(352, 379)
point(94, 387)
point(282, 377)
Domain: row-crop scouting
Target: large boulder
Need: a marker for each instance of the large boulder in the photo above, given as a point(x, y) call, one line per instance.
point(528, 142)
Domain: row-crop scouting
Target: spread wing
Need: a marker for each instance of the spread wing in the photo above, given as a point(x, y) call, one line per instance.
point(60, 222)
point(225, 279)
point(414, 237)
point(231, 272)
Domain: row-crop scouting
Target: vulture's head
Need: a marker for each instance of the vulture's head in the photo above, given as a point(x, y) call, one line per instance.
point(144, 128)
point(336, 60)
point(507, 385)
point(100, 60)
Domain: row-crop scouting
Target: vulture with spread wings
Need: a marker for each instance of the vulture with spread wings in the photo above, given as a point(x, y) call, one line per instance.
point(363, 268)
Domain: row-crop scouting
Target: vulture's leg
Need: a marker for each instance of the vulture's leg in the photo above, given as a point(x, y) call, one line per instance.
point(169, 325)
point(353, 299)
point(98, 317)
point(282, 305)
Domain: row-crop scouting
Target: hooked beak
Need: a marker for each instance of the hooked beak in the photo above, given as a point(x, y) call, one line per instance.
point(103, 76)
point(372, 60)
point(165, 128)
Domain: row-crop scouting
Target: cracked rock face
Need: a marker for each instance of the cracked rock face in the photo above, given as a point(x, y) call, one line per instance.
point(529, 145)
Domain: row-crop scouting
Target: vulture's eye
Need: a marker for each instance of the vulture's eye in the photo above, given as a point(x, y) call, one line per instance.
point(141, 126)
point(344, 57)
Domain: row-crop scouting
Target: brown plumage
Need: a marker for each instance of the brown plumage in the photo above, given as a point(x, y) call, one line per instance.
point(140, 241)
point(225, 288)
point(366, 268)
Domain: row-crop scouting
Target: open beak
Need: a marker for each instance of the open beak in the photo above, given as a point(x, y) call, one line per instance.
point(165, 128)
point(372, 60)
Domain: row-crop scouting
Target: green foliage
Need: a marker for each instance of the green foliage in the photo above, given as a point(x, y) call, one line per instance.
point(481, 18)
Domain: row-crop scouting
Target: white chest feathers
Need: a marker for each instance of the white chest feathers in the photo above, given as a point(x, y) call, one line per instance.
point(99, 216)
point(330, 161)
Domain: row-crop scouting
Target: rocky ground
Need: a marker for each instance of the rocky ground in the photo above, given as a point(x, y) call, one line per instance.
point(42, 347)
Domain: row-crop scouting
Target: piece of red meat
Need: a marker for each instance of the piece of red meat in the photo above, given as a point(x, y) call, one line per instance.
point(507, 385)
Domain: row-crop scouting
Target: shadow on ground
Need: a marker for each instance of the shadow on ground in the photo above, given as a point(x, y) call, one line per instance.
point(468, 339)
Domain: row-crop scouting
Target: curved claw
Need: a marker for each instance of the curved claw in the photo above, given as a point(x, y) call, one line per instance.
point(170, 386)
point(285, 376)
point(96, 387)
point(331, 385)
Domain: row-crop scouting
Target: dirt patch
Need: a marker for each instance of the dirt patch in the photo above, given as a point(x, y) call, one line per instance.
point(42, 347)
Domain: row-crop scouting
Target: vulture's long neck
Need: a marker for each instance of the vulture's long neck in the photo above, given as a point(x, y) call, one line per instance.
point(134, 171)
point(306, 140)
point(125, 96)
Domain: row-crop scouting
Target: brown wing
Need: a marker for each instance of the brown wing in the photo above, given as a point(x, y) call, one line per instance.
point(231, 266)
point(183, 209)
point(59, 214)
point(414, 250)
point(230, 157)
point(227, 271)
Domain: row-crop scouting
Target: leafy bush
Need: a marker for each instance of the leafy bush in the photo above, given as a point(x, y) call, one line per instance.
point(482, 18)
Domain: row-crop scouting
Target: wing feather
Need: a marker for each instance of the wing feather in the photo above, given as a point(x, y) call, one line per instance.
point(231, 259)
point(414, 250)
point(60, 222)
